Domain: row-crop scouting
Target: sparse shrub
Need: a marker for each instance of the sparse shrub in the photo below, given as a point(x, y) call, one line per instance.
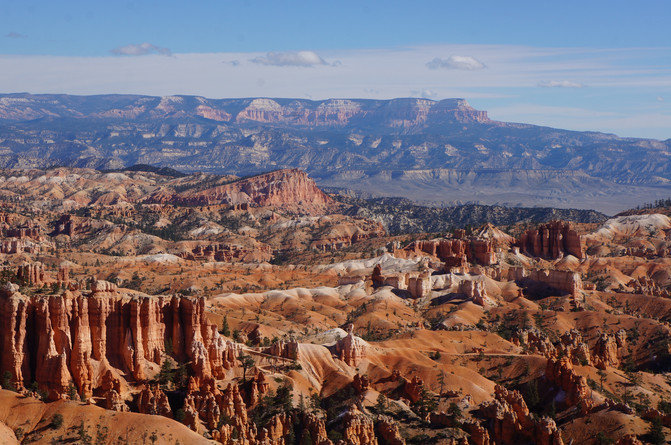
point(656, 433)
point(7, 381)
point(381, 403)
point(56, 421)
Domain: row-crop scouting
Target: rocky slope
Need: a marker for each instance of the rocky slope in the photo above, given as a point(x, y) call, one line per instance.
point(442, 151)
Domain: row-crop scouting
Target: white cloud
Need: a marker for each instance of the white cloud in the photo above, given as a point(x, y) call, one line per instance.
point(660, 99)
point(141, 49)
point(291, 58)
point(456, 63)
point(559, 84)
point(424, 93)
point(15, 35)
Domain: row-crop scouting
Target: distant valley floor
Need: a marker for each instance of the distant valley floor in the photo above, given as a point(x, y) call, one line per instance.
point(523, 188)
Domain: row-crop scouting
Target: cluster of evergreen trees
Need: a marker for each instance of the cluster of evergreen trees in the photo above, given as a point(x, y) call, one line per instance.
point(656, 204)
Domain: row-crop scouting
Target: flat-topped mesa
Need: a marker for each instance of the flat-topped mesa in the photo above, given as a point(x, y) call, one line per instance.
point(57, 339)
point(449, 111)
point(288, 189)
point(552, 240)
point(330, 113)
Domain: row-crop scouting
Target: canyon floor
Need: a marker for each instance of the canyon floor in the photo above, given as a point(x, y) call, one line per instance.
point(148, 307)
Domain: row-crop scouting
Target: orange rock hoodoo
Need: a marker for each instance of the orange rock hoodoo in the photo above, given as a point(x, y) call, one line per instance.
point(286, 349)
point(74, 337)
point(31, 273)
point(454, 252)
point(607, 349)
point(552, 240)
point(350, 349)
point(560, 373)
point(511, 422)
point(228, 252)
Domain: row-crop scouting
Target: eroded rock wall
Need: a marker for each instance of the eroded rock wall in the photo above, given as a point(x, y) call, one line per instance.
point(58, 339)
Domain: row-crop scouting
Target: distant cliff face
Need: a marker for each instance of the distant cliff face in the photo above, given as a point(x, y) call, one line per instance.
point(436, 151)
point(294, 112)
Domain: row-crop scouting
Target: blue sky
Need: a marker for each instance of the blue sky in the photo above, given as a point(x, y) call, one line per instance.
point(601, 65)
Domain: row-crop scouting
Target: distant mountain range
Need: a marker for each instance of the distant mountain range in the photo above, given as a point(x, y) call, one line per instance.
point(438, 152)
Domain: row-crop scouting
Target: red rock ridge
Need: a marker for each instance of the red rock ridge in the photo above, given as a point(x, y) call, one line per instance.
point(289, 189)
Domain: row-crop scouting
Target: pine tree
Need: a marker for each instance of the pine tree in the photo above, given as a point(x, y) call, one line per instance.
point(225, 330)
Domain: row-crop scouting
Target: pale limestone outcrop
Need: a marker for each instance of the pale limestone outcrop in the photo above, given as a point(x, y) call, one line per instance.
point(474, 291)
